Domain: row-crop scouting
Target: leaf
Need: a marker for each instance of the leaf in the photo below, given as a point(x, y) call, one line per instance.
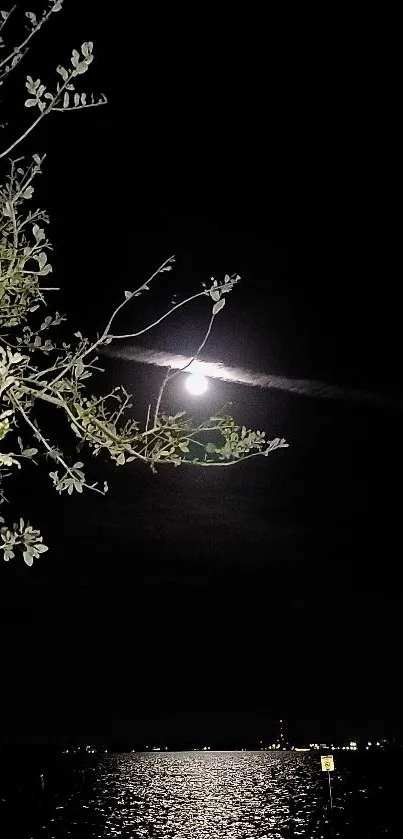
point(128, 295)
point(42, 259)
point(41, 548)
point(62, 72)
point(28, 558)
point(76, 99)
point(58, 6)
point(79, 368)
point(214, 294)
point(121, 459)
point(29, 452)
point(28, 192)
point(38, 232)
point(7, 460)
point(81, 68)
point(218, 306)
point(86, 48)
point(66, 100)
point(30, 103)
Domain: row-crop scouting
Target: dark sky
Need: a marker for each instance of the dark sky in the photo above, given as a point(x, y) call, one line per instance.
point(188, 604)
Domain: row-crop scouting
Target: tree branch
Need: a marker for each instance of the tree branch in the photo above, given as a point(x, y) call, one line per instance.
point(4, 21)
point(39, 436)
point(169, 376)
point(82, 107)
point(105, 333)
point(42, 114)
point(159, 320)
point(23, 44)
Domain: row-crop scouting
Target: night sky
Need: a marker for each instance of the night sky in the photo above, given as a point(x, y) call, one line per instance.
point(192, 605)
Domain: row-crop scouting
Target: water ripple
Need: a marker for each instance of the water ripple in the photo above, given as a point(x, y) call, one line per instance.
point(206, 795)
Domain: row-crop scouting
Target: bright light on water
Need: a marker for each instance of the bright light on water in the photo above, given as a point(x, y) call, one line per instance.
point(204, 795)
point(196, 384)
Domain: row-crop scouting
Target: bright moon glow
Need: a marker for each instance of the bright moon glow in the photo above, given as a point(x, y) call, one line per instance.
point(196, 384)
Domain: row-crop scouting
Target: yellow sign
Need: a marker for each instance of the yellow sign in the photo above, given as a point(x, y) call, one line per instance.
point(327, 763)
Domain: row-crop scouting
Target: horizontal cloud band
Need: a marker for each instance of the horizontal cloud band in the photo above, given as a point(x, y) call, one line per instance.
point(217, 370)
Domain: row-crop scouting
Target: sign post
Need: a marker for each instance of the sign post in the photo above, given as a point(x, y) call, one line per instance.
point(327, 764)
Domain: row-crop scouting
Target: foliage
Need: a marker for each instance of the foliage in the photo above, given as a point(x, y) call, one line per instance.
point(36, 368)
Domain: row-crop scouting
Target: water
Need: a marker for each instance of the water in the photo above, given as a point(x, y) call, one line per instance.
point(206, 795)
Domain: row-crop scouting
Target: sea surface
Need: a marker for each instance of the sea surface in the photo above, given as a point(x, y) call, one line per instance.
point(204, 795)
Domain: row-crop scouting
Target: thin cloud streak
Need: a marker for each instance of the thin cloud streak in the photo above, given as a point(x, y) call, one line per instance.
point(216, 370)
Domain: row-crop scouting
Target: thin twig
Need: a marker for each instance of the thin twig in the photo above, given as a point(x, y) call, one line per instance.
point(4, 21)
point(18, 407)
point(42, 114)
point(28, 38)
point(146, 431)
point(157, 407)
point(222, 462)
point(106, 431)
point(159, 320)
point(169, 376)
point(81, 107)
point(26, 133)
point(105, 333)
point(198, 351)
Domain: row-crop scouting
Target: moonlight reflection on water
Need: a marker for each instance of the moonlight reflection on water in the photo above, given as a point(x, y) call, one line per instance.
point(207, 795)
point(210, 795)
point(223, 794)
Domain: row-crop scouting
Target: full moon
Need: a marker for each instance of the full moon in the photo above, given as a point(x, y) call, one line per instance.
point(196, 384)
